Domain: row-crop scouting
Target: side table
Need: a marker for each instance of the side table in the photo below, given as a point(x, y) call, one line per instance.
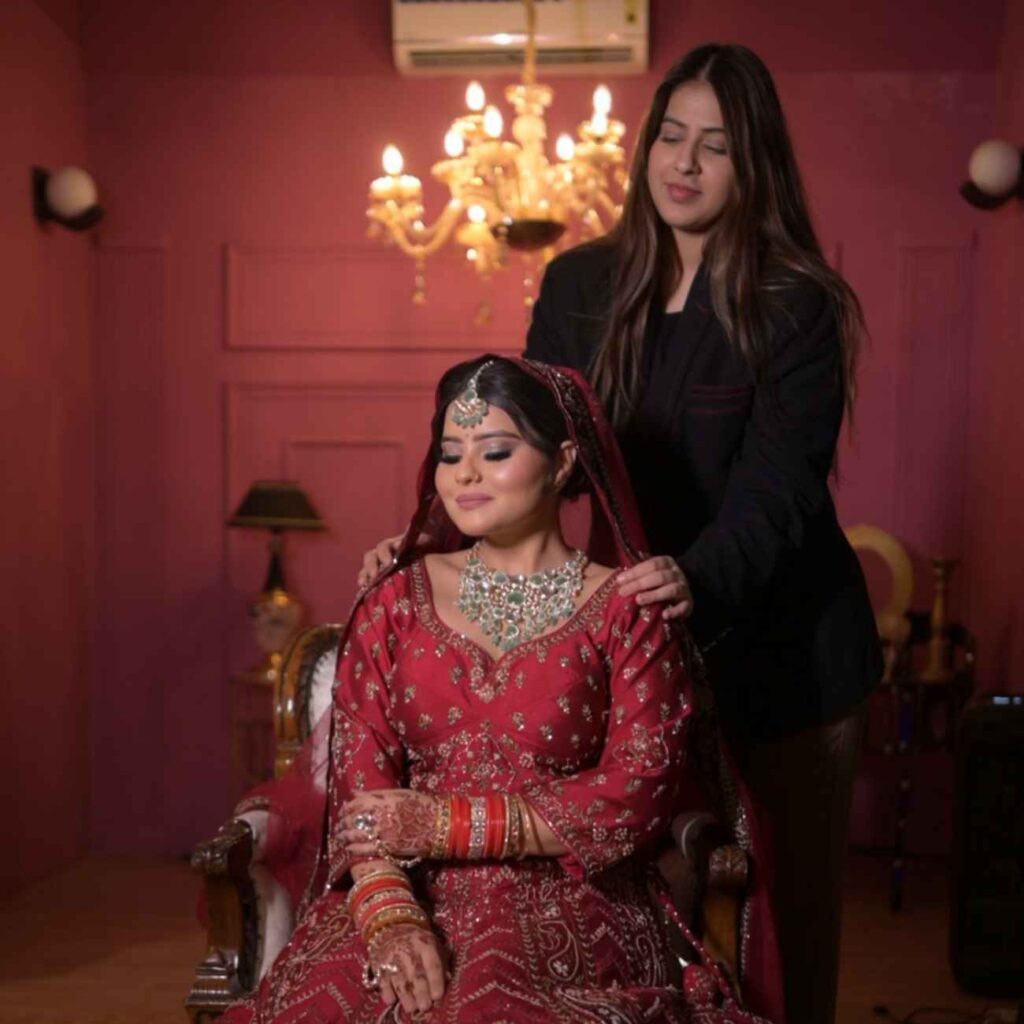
point(252, 731)
point(915, 712)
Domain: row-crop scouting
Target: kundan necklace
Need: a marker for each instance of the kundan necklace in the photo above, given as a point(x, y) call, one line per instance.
point(511, 608)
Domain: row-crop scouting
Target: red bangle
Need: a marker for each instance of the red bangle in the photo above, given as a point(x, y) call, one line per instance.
point(495, 827)
point(368, 913)
point(356, 905)
point(377, 884)
point(458, 843)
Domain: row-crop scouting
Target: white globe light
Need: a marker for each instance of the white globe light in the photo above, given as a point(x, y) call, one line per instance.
point(995, 167)
point(70, 192)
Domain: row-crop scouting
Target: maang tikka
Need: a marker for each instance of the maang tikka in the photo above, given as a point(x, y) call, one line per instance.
point(469, 409)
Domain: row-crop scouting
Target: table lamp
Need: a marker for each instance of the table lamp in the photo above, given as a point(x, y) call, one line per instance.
point(275, 505)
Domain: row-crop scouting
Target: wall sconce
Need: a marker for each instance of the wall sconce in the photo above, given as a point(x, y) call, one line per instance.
point(67, 196)
point(995, 175)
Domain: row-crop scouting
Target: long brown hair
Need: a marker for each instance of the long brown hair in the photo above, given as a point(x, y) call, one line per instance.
point(763, 240)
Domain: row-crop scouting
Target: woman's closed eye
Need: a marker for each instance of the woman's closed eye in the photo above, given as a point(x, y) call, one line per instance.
point(497, 454)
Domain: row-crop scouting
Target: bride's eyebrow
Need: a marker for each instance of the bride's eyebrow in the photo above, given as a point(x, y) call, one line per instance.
point(489, 436)
point(497, 433)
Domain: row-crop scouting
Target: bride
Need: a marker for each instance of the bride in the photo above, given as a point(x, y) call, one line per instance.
point(508, 738)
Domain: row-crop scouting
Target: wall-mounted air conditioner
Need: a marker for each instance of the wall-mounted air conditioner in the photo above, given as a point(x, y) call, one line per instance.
point(437, 37)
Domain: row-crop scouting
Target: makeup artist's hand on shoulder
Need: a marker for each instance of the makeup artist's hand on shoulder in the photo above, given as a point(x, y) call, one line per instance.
point(658, 579)
point(378, 558)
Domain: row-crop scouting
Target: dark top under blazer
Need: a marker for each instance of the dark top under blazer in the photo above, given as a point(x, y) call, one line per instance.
point(733, 482)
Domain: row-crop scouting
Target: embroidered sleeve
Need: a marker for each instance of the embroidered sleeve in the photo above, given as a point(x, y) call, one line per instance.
point(607, 812)
point(366, 751)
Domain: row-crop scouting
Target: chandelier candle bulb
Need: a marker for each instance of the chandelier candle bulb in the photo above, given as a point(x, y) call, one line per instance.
point(602, 100)
point(493, 122)
point(475, 98)
point(454, 144)
point(599, 123)
point(392, 161)
point(565, 148)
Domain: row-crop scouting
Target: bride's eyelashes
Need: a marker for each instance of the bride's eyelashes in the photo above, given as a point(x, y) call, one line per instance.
point(497, 455)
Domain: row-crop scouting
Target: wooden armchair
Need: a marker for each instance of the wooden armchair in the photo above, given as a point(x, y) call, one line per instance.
point(250, 916)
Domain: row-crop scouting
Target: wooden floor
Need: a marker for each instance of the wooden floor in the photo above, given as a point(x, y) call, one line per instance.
point(114, 942)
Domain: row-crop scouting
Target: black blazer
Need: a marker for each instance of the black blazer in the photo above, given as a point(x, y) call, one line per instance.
point(732, 479)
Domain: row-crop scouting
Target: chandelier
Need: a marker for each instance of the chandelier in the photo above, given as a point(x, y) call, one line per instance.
point(506, 195)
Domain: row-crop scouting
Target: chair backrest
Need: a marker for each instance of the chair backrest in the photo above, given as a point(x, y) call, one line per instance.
point(890, 618)
point(304, 689)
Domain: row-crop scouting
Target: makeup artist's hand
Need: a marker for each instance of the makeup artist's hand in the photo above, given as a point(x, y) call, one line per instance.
point(655, 580)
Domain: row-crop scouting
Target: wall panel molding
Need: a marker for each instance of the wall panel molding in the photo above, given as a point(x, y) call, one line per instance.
point(281, 298)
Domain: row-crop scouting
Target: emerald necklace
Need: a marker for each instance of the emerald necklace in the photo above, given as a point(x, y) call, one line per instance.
point(511, 608)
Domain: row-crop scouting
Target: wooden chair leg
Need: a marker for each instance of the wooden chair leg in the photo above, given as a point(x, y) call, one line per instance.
point(228, 971)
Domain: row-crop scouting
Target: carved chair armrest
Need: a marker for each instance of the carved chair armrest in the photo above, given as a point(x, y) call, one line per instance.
point(230, 967)
point(727, 875)
point(708, 887)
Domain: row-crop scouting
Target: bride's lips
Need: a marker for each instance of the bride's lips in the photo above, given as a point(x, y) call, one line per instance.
point(472, 500)
point(681, 194)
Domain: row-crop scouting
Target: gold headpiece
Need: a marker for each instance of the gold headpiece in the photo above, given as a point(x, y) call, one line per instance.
point(469, 409)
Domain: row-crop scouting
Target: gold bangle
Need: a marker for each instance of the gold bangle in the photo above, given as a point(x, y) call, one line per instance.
point(372, 876)
point(412, 914)
point(442, 828)
point(529, 833)
point(515, 827)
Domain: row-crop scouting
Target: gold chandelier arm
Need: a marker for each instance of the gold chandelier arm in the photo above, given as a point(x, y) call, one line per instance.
point(436, 234)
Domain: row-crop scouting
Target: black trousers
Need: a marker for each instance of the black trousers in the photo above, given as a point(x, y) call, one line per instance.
point(803, 785)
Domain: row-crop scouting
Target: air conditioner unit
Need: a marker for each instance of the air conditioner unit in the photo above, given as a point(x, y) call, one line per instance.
point(437, 37)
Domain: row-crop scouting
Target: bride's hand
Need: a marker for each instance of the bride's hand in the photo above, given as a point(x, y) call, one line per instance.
point(407, 963)
point(378, 558)
point(658, 579)
point(400, 820)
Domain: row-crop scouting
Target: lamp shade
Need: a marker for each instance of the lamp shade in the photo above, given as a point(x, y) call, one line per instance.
point(277, 505)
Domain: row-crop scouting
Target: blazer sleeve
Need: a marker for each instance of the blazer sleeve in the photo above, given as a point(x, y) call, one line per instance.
point(779, 481)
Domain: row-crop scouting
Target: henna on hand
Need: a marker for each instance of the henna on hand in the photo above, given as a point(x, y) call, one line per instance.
point(403, 821)
point(410, 958)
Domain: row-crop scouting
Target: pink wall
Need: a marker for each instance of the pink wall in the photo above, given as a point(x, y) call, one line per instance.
point(245, 326)
point(47, 385)
point(995, 540)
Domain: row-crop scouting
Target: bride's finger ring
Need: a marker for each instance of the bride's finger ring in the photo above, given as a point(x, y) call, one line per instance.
point(364, 822)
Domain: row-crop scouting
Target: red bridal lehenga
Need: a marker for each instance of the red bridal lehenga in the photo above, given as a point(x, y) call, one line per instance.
point(597, 724)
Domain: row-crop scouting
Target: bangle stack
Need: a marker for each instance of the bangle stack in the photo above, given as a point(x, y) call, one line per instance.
point(491, 827)
point(383, 899)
